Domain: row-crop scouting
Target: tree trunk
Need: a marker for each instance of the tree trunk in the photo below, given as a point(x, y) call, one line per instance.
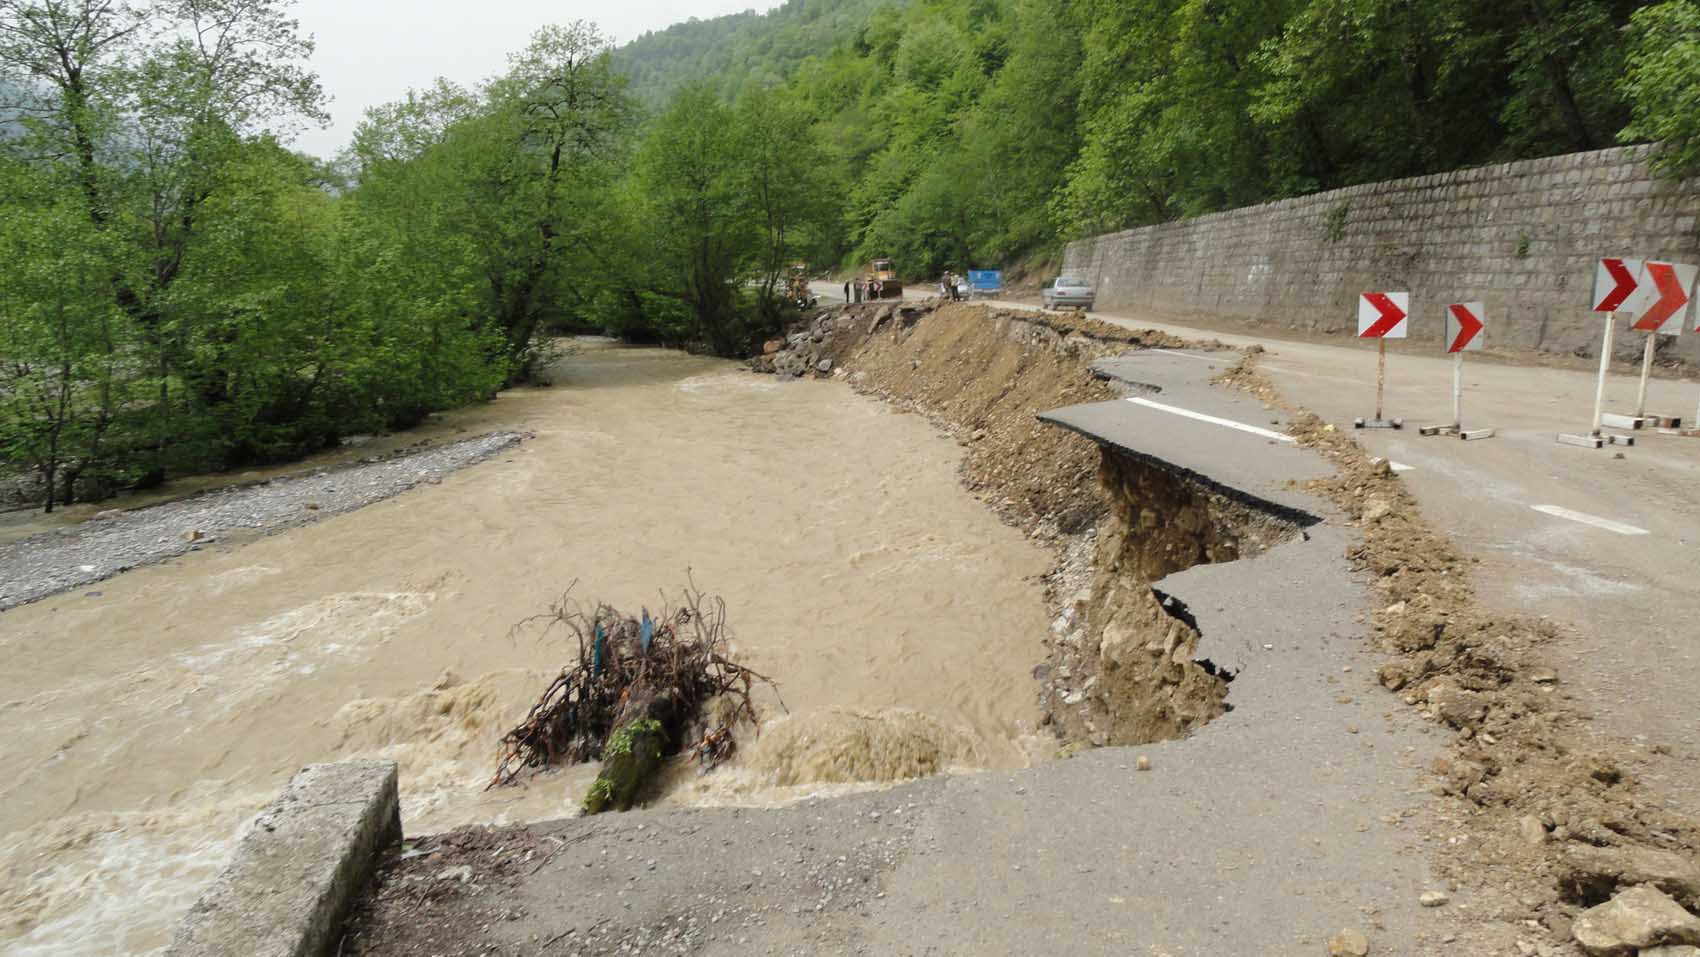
point(1559, 75)
point(634, 751)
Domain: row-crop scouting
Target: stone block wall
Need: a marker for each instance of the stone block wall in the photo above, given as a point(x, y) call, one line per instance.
point(1523, 238)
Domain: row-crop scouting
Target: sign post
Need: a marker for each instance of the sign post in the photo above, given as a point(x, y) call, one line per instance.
point(1665, 315)
point(1617, 287)
point(1464, 324)
point(1382, 316)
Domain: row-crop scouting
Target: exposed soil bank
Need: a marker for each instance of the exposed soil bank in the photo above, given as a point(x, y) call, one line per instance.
point(1120, 665)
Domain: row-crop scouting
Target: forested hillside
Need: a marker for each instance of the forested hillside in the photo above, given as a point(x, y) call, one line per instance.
point(741, 51)
point(973, 131)
point(183, 293)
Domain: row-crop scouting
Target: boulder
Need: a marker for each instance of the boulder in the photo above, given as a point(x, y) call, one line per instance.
point(1376, 509)
point(1348, 943)
point(824, 366)
point(1637, 919)
point(771, 346)
point(1590, 873)
point(1457, 707)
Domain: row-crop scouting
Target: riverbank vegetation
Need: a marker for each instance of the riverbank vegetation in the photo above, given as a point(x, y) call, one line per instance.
point(183, 292)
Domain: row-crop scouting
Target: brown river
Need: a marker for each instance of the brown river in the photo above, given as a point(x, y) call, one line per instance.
point(143, 727)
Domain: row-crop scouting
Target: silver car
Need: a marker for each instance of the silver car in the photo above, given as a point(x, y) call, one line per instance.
point(1067, 292)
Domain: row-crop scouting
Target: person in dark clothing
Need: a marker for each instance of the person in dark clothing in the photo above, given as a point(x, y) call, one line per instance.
point(846, 292)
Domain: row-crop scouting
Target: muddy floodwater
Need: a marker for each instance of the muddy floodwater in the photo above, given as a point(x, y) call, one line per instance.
point(145, 719)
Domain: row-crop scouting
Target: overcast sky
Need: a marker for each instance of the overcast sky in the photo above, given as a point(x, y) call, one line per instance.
point(373, 51)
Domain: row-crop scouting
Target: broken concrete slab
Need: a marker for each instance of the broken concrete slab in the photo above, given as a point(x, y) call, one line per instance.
point(303, 864)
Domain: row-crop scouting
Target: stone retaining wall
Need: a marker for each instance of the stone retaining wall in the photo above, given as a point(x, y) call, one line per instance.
point(1521, 237)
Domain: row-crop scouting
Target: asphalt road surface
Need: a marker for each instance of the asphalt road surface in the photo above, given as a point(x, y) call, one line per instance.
point(1608, 540)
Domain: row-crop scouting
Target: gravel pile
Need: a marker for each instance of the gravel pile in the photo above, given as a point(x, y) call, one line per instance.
point(52, 562)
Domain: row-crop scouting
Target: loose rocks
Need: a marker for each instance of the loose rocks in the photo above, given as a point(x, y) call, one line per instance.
point(1590, 873)
point(1637, 919)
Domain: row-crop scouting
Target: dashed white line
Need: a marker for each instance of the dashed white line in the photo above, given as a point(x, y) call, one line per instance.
point(1213, 420)
point(1586, 519)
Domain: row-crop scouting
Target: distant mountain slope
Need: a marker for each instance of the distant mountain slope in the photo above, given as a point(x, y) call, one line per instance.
point(736, 50)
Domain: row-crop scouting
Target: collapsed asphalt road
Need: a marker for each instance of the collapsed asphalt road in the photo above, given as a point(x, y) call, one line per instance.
point(1277, 825)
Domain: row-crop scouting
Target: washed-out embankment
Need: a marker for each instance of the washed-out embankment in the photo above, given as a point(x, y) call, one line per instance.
point(1558, 824)
point(1121, 664)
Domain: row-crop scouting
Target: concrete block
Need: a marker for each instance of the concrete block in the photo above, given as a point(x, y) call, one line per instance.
point(297, 872)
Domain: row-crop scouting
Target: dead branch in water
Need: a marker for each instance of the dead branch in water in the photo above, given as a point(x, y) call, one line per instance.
point(638, 686)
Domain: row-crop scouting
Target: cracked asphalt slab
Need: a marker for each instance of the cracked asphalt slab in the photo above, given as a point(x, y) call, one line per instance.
point(79, 555)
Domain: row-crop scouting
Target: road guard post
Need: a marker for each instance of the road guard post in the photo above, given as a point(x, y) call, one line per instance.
point(1382, 316)
point(1617, 287)
point(1667, 290)
point(1464, 324)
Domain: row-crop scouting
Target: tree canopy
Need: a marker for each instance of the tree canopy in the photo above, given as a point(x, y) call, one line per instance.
point(183, 292)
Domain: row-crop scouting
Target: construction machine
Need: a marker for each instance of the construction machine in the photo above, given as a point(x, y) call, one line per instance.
point(797, 286)
point(881, 271)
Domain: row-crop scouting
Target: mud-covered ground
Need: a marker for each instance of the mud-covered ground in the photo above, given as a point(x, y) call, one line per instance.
point(52, 562)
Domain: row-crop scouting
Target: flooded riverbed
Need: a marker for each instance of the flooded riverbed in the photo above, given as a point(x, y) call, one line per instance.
point(148, 717)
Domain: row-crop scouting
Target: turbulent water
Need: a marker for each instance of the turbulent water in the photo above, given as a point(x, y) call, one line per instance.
point(146, 719)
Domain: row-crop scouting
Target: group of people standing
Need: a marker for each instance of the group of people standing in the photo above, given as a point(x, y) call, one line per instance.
point(863, 290)
point(953, 287)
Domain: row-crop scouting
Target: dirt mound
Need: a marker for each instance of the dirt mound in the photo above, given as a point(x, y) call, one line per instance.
point(1550, 823)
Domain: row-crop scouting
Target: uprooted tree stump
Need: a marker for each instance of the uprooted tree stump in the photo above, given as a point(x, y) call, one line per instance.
point(637, 695)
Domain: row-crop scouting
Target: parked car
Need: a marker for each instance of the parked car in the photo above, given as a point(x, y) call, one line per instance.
point(1067, 292)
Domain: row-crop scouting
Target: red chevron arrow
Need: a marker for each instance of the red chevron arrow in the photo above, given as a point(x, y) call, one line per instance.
point(1626, 284)
point(1468, 326)
point(1672, 297)
point(1391, 315)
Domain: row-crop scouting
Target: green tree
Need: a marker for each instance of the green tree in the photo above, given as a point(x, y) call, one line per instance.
point(692, 188)
point(68, 366)
point(1662, 84)
point(788, 189)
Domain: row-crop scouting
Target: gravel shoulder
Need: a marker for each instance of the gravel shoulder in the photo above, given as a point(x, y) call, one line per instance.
point(41, 565)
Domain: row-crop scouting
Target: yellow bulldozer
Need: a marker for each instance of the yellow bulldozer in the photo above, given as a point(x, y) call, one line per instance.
point(797, 286)
point(881, 277)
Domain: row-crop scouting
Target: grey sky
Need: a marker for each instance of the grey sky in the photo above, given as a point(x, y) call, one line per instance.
point(373, 51)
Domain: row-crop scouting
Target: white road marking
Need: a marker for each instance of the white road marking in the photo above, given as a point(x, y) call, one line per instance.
point(1186, 355)
point(1586, 519)
point(1213, 420)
